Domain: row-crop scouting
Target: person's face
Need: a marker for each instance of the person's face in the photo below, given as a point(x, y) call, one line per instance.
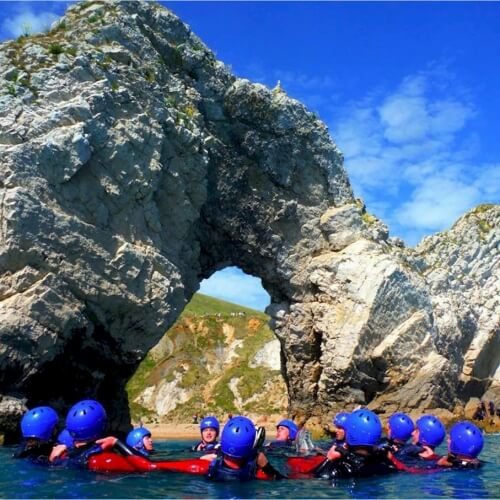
point(282, 433)
point(147, 441)
point(415, 436)
point(340, 433)
point(31, 442)
point(209, 435)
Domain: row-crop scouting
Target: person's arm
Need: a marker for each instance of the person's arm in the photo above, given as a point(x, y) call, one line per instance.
point(209, 457)
point(428, 453)
point(444, 462)
point(264, 465)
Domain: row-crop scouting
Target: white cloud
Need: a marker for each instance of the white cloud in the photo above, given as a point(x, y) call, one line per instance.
point(438, 202)
point(233, 285)
point(409, 154)
point(26, 20)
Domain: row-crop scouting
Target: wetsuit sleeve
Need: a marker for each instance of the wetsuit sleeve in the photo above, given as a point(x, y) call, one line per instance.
point(271, 472)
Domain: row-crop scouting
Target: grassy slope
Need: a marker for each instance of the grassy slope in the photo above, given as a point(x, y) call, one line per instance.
point(200, 338)
point(203, 304)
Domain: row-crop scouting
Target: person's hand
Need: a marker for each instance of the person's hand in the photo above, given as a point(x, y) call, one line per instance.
point(107, 442)
point(333, 454)
point(209, 457)
point(57, 451)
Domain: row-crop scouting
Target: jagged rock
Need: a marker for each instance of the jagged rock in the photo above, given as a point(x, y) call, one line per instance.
point(134, 165)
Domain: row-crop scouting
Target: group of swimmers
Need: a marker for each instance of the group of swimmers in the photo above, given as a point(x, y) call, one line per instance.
point(239, 451)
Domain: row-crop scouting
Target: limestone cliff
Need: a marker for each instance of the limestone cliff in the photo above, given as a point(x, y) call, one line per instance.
point(134, 164)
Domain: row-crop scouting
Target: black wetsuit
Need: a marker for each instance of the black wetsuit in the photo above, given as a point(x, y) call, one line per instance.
point(459, 463)
point(409, 455)
point(288, 443)
point(394, 446)
point(207, 448)
point(79, 457)
point(338, 443)
point(219, 471)
point(36, 452)
point(352, 464)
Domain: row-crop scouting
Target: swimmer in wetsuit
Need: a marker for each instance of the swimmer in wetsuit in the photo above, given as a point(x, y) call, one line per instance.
point(239, 458)
point(37, 428)
point(359, 456)
point(85, 422)
point(399, 429)
point(339, 422)
point(209, 430)
point(429, 433)
point(141, 441)
point(286, 432)
point(465, 442)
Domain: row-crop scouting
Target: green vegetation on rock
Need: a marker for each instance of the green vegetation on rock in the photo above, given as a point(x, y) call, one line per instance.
point(210, 352)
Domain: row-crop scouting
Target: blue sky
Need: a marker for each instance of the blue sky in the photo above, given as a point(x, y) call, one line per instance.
point(410, 92)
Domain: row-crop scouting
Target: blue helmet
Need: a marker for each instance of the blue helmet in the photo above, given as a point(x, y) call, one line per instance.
point(291, 426)
point(136, 436)
point(238, 437)
point(65, 438)
point(363, 428)
point(466, 439)
point(208, 422)
point(432, 431)
point(401, 426)
point(39, 423)
point(340, 419)
point(86, 420)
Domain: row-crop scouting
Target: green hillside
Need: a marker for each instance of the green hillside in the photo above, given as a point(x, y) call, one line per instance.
point(204, 304)
point(205, 363)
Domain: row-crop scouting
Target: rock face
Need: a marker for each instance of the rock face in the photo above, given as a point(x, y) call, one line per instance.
point(134, 165)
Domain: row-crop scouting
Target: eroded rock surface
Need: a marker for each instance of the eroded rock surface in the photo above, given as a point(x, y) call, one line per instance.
point(134, 164)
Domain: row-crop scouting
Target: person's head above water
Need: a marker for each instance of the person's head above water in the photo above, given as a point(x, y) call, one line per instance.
point(363, 428)
point(465, 440)
point(209, 429)
point(429, 431)
point(339, 421)
point(39, 423)
point(238, 438)
point(286, 430)
point(400, 427)
point(86, 420)
point(140, 439)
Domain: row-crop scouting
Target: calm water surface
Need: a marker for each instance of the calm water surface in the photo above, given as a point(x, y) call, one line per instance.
point(22, 480)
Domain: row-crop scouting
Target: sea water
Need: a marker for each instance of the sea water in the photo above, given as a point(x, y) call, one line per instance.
point(19, 479)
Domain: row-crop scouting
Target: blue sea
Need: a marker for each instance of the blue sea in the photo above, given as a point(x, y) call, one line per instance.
point(19, 479)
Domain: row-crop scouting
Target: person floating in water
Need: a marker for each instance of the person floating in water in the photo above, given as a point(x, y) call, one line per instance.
point(429, 433)
point(286, 432)
point(399, 429)
point(140, 440)
point(339, 422)
point(37, 428)
point(465, 443)
point(359, 456)
point(239, 457)
point(85, 422)
point(209, 430)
